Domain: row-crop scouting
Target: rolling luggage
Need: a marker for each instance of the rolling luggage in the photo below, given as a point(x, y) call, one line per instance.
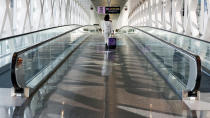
point(112, 43)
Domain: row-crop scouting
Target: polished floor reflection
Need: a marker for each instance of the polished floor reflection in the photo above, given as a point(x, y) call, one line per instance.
point(99, 83)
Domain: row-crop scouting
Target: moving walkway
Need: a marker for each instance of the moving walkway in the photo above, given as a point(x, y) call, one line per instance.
point(72, 75)
point(181, 69)
point(19, 42)
point(190, 44)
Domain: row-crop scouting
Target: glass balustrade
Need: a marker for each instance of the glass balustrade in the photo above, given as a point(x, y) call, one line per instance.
point(193, 45)
point(10, 45)
point(31, 66)
point(180, 68)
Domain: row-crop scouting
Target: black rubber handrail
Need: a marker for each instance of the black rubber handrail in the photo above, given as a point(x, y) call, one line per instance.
point(7, 38)
point(176, 33)
point(196, 57)
point(204, 69)
point(17, 88)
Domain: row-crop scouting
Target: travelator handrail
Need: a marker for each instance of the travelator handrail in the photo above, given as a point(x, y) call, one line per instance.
point(17, 88)
point(195, 57)
point(23, 34)
point(184, 51)
point(22, 41)
point(204, 68)
point(176, 33)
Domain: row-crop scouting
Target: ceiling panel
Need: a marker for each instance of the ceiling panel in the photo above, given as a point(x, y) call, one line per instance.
point(113, 2)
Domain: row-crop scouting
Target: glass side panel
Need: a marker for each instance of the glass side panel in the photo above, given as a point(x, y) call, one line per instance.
point(197, 47)
point(176, 66)
point(36, 63)
point(20, 42)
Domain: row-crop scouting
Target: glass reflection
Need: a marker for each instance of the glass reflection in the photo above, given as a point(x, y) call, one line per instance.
point(192, 45)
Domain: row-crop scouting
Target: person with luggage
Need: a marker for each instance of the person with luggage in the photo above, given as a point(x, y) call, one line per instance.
point(107, 27)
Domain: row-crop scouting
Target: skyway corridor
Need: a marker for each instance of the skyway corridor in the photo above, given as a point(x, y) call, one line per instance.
point(95, 83)
point(104, 59)
point(90, 81)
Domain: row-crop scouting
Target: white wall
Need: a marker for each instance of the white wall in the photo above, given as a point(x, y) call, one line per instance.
point(94, 17)
point(21, 16)
point(168, 14)
point(123, 18)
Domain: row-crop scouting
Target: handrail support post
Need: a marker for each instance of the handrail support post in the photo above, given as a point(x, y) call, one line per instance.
point(190, 95)
point(23, 92)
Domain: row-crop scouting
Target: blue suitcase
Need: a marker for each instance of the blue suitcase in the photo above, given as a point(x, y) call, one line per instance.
point(112, 43)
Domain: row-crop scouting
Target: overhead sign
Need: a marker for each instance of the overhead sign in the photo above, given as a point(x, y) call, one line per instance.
point(108, 10)
point(101, 10)
point(112, 10)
